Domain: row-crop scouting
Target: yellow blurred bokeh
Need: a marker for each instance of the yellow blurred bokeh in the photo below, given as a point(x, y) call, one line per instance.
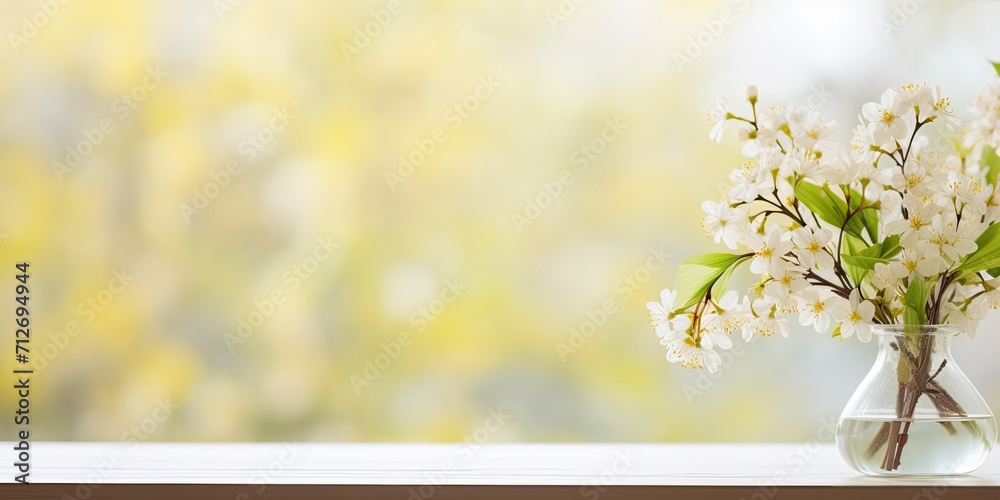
point(381, 220)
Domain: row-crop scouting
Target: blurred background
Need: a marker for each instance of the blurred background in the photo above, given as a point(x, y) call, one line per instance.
point(394, 220)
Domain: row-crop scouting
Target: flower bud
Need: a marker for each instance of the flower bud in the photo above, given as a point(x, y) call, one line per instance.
point(752, 94)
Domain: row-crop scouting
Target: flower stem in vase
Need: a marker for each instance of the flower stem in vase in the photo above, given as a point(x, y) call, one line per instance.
point(915, 379)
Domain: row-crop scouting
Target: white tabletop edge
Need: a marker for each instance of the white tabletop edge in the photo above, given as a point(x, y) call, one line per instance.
point(676, 464)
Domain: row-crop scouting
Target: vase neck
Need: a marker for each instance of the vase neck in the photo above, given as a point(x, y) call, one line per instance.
point(894, 344)
point(936, 337)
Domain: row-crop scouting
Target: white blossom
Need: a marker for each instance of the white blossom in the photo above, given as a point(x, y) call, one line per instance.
point(809, 131)
point(816, 309)
point(765, 320)
point(718, 117)
point(911, 179)
point(724, 223)
point(945, 235)
point(918, 262)
point(919, 214)
point(784, 287)
point(811, 247)
point(862, 144)
point(887, 277)
point(726, 315)
point(760, 142)
point(983, 130)
point(966, 190)
point(751, 180)
point(886, 119)
point(857, 318)
point(968, 318)
point(662, 316)
point(871, 181)
point(768, 251)
point(941, 107)
point(916, 95)
point(990, 298)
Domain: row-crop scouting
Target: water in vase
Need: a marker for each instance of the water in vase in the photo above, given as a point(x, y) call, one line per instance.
point(938, 445)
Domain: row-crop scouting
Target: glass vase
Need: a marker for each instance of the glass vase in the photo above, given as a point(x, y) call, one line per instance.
point(916, 413)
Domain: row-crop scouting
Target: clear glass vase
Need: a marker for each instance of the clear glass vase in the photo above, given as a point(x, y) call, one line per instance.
point(916, 412)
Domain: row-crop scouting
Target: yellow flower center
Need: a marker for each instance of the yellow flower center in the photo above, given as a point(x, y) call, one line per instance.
point(694, 362)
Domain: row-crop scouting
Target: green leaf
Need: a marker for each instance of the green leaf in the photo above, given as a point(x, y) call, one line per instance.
point(914, 314)
point(722, 283)
point(996, 67)
point(864, 261)
point(697, 274)
point(854, 247)
point(860, 259)
point(855, 226)
point(991, 160)
point(820, 203)
point(915, 302)
point(869, 219)
point(829, 207)
point(890, 247)
point(836, 330)
point(987, 254)
point(868, 216)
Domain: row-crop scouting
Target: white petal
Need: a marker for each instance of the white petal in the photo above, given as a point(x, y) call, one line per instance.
point(712, 361)
point(866, 310)
point(667, 297)
point(822, 322)
point(898, 129)
point(823, 260)
point(823, 236)
point(864, 332)
point(847, 329)
point(723, 341)
point(806, 319)
point(871, 111)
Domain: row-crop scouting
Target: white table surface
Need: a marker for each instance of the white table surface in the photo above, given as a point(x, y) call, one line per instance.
point(764, 465)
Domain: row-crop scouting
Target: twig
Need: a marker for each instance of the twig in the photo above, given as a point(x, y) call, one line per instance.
point(943, 362)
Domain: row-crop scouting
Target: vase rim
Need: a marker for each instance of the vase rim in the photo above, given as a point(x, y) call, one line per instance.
point(892, 330)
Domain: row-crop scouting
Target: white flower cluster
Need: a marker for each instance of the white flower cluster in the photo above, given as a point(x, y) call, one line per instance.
point(983, 129)
point(840, 235)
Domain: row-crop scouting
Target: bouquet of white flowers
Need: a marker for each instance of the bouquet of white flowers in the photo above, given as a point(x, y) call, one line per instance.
point(887, 231)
